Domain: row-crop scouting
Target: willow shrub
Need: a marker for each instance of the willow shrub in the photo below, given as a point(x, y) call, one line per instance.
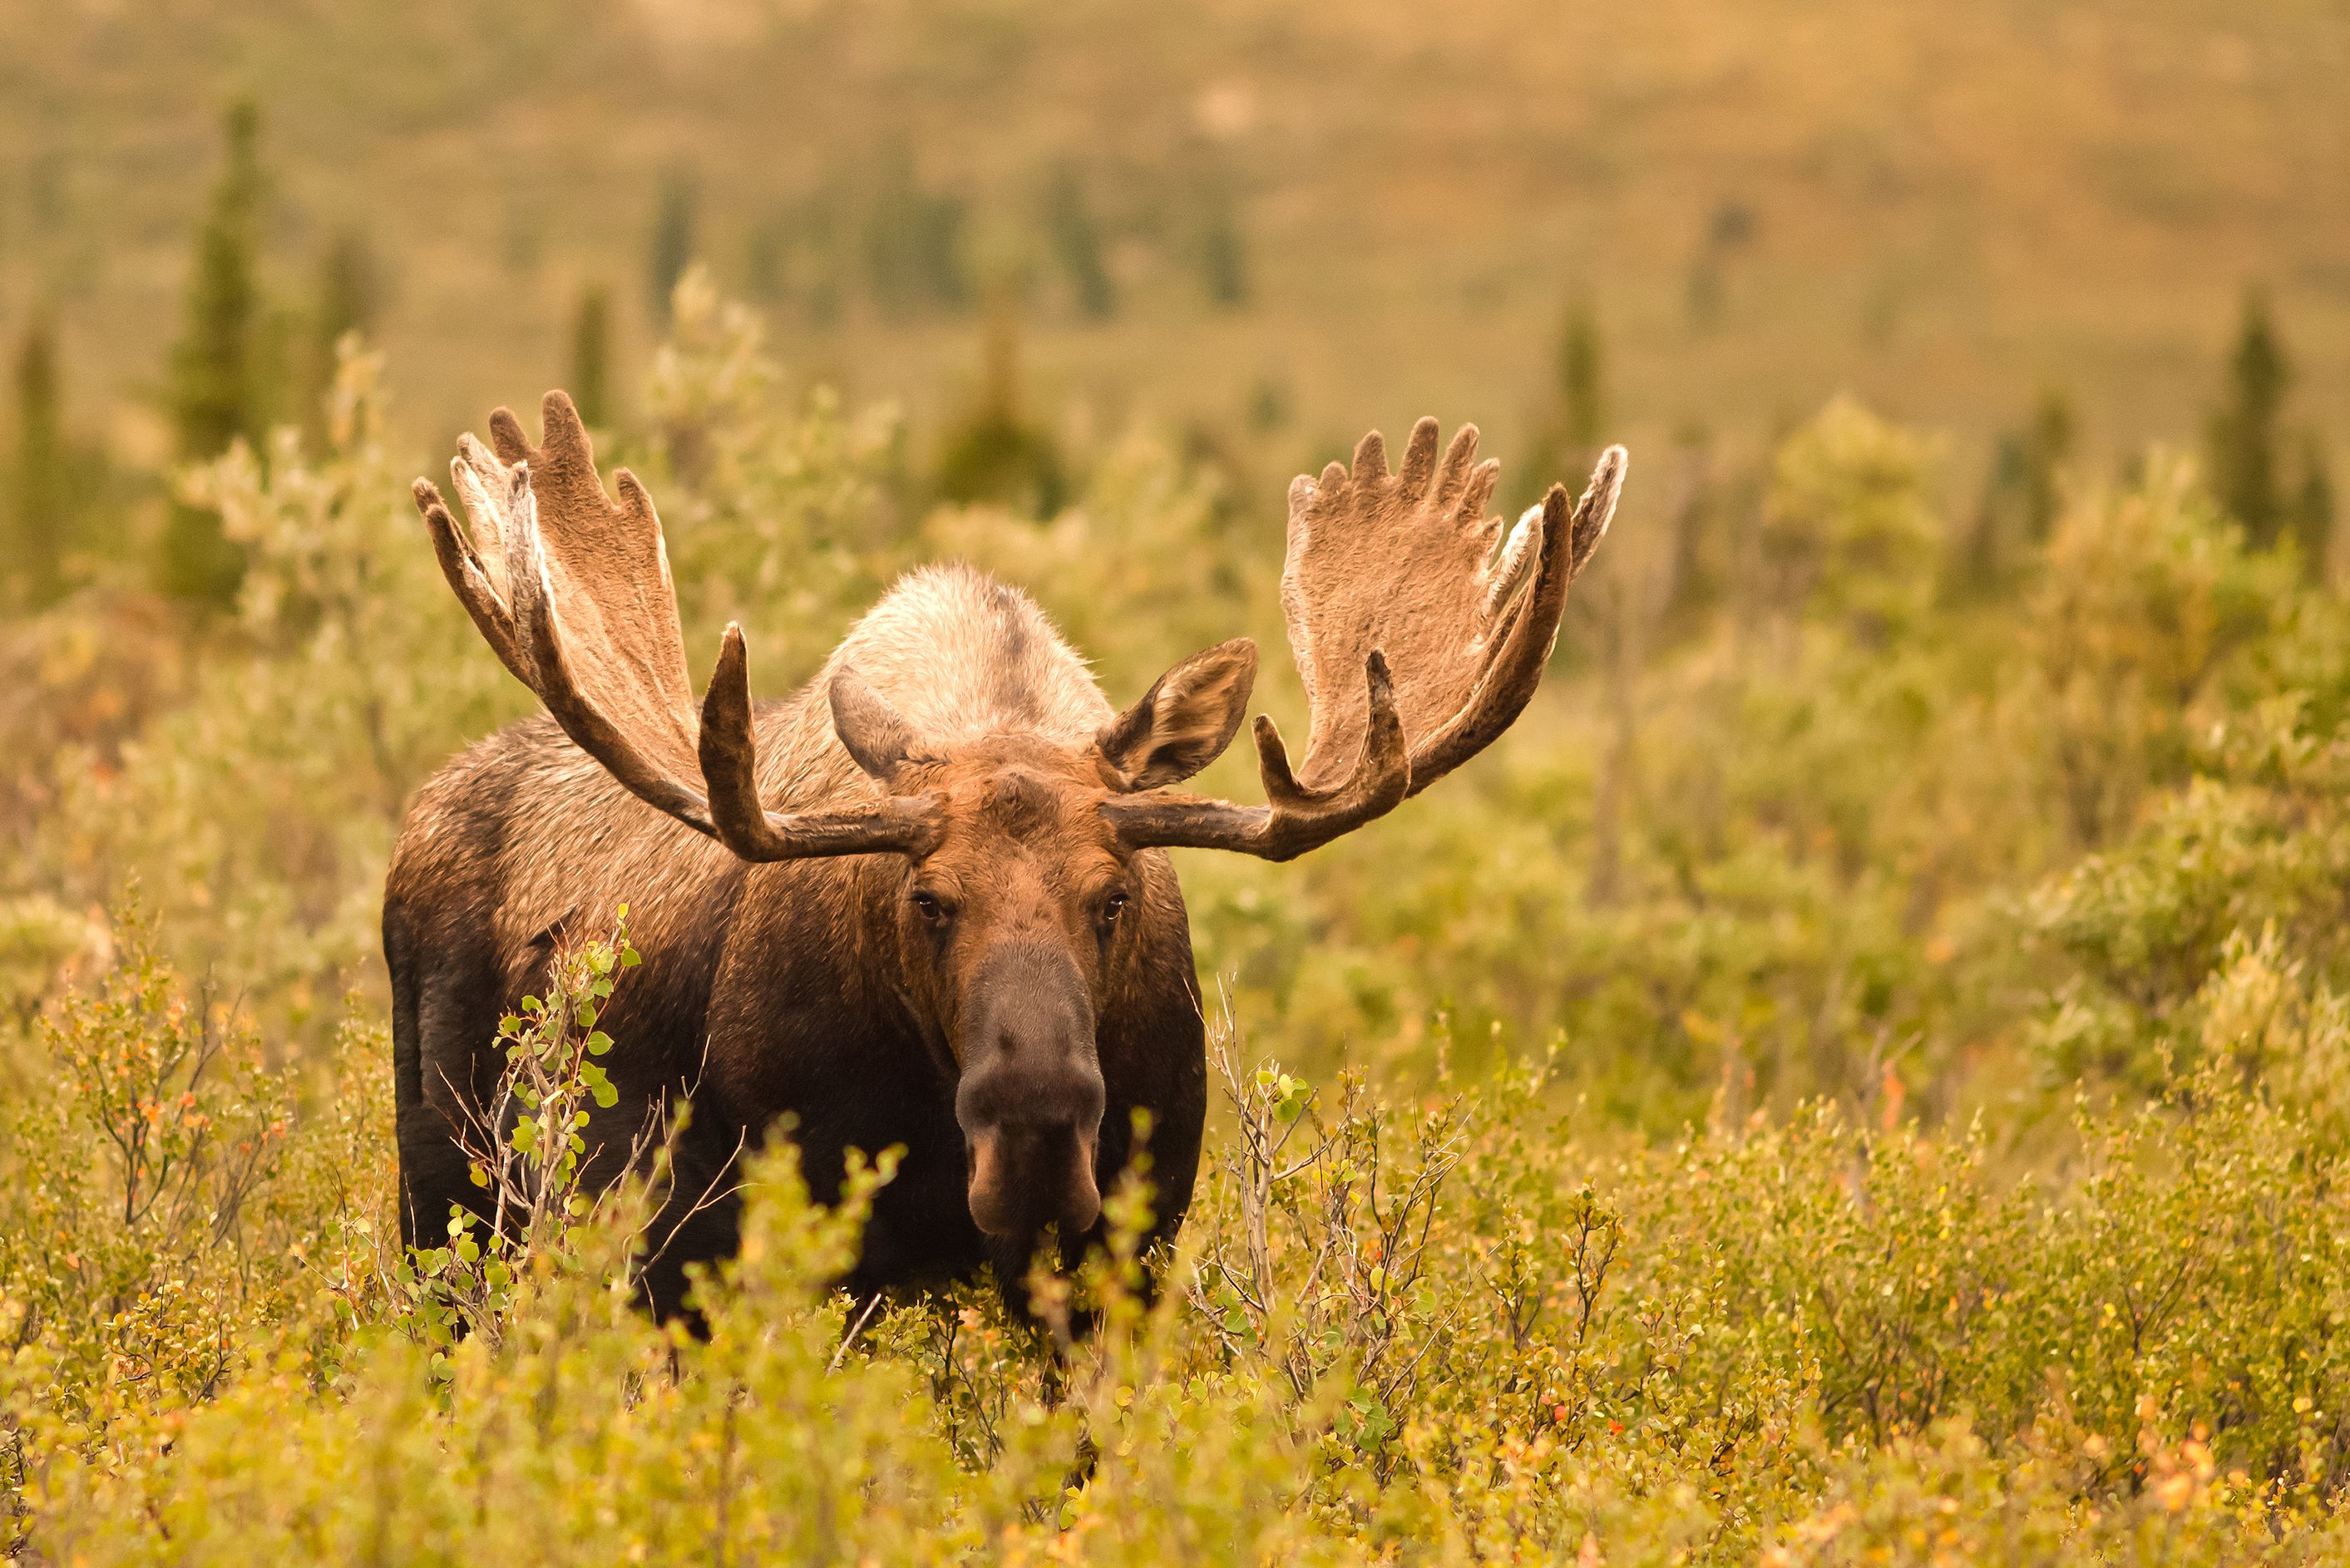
point(1738, 1274)
point(1456, 1326)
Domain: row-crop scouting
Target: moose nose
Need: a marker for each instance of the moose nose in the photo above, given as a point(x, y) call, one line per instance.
point(1025, 1177)
point(1031, 1098)
point(1032, 1130)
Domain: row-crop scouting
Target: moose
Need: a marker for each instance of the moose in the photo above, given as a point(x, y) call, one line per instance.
point(925, 902)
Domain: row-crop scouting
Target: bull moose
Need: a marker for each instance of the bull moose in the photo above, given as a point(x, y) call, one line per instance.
point(926, 901)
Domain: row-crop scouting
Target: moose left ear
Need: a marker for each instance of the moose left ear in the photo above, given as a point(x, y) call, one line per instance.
point(871, 731)
point(1183, 722)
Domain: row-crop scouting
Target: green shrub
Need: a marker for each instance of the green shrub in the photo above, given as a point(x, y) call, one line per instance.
point(1928, 1150)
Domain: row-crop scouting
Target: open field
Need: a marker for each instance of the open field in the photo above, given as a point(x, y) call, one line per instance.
point(1859, 1073)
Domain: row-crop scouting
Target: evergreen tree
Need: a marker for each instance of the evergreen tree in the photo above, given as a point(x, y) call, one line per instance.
point(1077, 241)
point(1730, 228)
point(673, 246)
point(2020, 496)
point(1581, 379)
point(2046, 449)
point(2312, 510)
point(766, 253)
point(1982, 548)
point(994, 453)
point(1224, 252)
point(216, 391)
point(1568, 430)
point(2243, 440)
point(591, 356)
point(346, 303)
point(43, 493)
point(1690, 582)
point(794, 257)
point(914, 243)
point(349, 292)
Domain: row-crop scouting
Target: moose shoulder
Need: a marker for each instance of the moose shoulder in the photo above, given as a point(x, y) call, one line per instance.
point(925, 902)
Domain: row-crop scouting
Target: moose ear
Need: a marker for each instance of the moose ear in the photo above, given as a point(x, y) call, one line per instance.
point(876, 738)
point(1183, 722)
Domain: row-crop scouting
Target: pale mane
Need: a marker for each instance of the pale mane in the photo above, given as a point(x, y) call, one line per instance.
point(960, 656)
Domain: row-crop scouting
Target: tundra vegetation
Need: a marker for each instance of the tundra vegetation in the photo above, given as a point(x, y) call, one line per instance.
point(1860, 1073)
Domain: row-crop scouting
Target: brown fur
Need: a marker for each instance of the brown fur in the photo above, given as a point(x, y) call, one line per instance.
point(759, 980)
point(921, 903)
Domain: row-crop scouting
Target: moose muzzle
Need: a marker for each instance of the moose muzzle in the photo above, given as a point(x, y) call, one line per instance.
point(1029, 1100)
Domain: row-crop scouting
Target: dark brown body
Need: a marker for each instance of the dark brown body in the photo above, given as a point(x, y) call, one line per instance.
point(925, 903)
point(767, 991)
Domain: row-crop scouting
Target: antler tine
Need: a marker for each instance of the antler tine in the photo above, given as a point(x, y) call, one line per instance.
point(1561, 544)
point(553, 676)
point(577, 602)
point(1296, 818)
point(1403, 566)
point(463, 565)
point(730, 764)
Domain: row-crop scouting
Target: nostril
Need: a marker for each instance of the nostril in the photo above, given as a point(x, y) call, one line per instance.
point(1024, 1176)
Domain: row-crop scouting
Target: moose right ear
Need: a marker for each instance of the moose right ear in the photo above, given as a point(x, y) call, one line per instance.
point(875, 736)
point(1183, 722)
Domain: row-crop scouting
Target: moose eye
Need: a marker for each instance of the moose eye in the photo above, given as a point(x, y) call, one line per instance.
point(1112, 908)
point(932, 907)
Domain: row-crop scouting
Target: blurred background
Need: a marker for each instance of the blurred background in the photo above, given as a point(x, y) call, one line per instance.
point(1277, 224)
point(1986, 369)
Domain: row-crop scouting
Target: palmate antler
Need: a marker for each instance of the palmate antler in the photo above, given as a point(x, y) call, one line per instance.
point(1404, 579)
point(572, 591)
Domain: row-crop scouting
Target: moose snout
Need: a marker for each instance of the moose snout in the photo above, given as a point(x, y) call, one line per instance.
point(1031, 1099)
point(1025, 1177)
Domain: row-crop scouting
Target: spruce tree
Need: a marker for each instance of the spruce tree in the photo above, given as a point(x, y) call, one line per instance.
point(591, 356)
point(2312, 508)
point(2046, 448)
point(1077, 239)
point(1982, 549)
point(914, 242)
point(1224, 251)
point(346, 303)
point(673, 246)
point(1581, 370)
point(992, 453)
point(216, 394)
point(2243, 440)
point(1568, 429)
point(43, 497)
point(347, 290)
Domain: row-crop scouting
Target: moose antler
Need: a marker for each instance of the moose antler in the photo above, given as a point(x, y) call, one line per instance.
point(1403, 578)
point(571, 589)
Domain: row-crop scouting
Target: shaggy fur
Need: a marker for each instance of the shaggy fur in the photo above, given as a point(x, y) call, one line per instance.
point(773, 989)
point(921, 903)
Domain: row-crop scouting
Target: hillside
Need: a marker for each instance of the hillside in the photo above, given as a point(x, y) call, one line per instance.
point(1942, 207)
